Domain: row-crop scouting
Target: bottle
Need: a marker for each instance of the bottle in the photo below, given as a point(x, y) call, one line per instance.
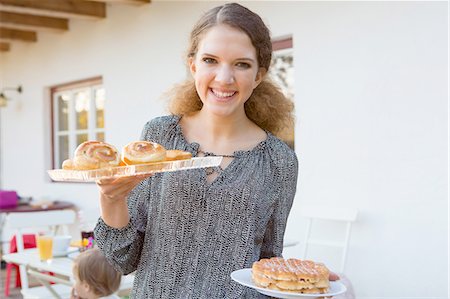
point(86, 230)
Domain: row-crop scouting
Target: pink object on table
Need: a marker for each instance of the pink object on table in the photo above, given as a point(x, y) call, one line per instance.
point(8, 199)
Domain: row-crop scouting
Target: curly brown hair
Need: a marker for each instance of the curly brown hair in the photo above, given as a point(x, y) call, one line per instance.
point(268, 107)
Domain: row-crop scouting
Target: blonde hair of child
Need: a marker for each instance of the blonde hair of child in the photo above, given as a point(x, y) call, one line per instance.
point(92, 268)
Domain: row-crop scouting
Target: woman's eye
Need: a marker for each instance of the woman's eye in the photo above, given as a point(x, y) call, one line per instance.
point(243, 65)
point(209, 60)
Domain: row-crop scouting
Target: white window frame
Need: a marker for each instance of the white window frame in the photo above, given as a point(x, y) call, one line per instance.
point(72, 132)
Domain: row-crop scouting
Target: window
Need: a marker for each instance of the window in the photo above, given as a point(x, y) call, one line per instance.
point(282, 72)
point(77, 116)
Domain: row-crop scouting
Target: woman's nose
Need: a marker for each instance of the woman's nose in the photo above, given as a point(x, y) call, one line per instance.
point(225, 75)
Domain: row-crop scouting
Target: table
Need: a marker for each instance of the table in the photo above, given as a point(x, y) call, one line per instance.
point(56, 205)
point(60, 266)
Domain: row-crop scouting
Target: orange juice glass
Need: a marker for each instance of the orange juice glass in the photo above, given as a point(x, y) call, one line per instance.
point(45, 247)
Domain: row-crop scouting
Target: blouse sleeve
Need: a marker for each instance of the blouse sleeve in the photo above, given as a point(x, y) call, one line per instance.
point(273, 237)
point(122, 247)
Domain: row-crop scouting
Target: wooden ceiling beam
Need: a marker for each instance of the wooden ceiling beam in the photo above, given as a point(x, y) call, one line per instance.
point(26, 21)
point(138, 2)
point(14, 34)
point(56, 8)
point(4, 47)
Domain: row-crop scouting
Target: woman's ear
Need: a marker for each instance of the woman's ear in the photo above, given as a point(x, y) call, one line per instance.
point(192, 66)
point(259, 76)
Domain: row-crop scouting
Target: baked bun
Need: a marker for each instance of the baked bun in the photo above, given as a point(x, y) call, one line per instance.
point(172, 155)
point(93, 155)
point(141, 152)
point(291, 275)
point(68, 164)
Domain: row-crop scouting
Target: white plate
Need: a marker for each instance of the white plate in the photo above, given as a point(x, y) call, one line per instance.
point(244, 277)
point(132, 170)
point(66, 253)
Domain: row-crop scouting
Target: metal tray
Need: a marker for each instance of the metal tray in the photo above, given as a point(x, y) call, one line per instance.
point(63, 175)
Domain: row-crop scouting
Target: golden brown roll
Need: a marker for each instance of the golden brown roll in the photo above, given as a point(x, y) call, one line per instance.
point(172, 155)
point(141, 152)
point(93, 155)
point(68, 164)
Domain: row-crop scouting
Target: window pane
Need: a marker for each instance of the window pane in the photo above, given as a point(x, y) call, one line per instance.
point(99, 105)
point(81, 138)
point(75, 118)
point(63, 112)
point(82, 109)
point(101, 136)
point(63, 147)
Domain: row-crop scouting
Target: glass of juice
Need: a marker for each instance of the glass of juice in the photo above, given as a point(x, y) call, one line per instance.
point(45, 247)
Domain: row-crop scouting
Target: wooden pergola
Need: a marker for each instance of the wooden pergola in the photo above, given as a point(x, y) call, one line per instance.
point(22, 20)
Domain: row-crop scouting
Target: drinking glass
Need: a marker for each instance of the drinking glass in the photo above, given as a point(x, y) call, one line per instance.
point(45, 247)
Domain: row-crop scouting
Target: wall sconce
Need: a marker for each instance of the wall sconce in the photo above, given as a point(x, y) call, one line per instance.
point(4, 99)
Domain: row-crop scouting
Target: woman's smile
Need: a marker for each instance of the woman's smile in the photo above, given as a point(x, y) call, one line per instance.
point(222, 96)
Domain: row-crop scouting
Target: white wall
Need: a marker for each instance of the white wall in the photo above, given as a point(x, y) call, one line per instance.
point(371, 101)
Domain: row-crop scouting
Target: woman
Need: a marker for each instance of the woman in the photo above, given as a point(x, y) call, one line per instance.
point(185, 232)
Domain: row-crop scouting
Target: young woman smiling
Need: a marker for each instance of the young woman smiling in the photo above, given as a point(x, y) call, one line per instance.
point(185, 232)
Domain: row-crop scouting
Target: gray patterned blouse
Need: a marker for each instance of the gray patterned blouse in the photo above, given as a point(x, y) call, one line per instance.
point(186, 235)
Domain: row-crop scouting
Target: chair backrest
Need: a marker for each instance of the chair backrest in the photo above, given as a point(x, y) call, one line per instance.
point(53, 220)
point(38, 219)
point(316, 213)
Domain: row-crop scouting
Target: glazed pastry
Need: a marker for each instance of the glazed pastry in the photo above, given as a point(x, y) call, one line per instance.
point(93, 155)
point(172, 155)
point(68, 164)
point(291, 275)
point(141, 152)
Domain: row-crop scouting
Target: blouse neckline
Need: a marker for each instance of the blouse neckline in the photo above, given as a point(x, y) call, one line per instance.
point(238, 153)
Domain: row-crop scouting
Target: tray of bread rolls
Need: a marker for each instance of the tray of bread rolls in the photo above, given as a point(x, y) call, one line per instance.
point(95, 160)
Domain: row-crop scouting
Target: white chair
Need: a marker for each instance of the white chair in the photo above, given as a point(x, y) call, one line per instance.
point(126, 284)
point(327, 213)
point(50, 220)
point(287, 242)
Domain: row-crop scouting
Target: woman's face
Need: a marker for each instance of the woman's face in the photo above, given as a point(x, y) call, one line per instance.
point(225, 69)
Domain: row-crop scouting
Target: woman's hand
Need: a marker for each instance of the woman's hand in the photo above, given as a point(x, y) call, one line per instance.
point(333, 276)
point(113, 199)
point(116, 189)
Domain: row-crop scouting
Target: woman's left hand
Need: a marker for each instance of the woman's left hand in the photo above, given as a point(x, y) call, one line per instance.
point(333, 276)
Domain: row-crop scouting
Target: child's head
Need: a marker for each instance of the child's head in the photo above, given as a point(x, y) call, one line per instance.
point(94, 276)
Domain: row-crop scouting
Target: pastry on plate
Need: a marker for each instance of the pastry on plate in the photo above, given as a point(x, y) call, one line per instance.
point(173, 155)
point(93, 155)
point(291, 275)
point(142, 152)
